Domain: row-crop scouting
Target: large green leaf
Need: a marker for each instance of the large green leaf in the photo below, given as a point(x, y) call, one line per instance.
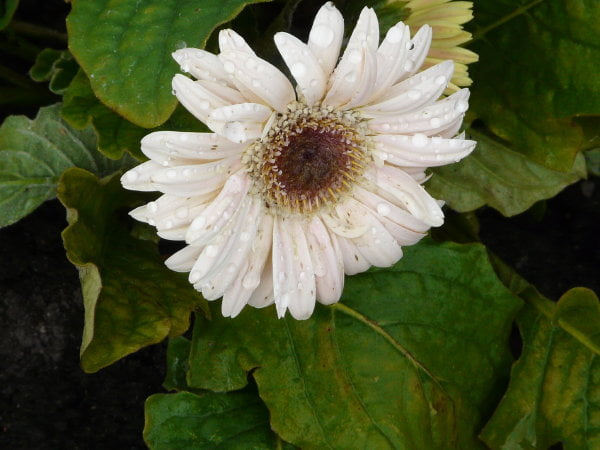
point(33, 155)
point(131, 299)
point(116, 135)
point(412, 357)
point(554, 392)
point(499, 177)
point(125, 47)
point(537, 70)
point(235, 420)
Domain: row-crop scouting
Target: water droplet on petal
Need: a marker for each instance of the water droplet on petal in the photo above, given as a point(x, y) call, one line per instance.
point(212, 251)
point(152, 206)
point(408, 66)
point(204, 104)
point(350, 77)
point(419, 140)
point(394, 35)
point(321, 35)
point(298, 69)
point(244, 236)
point(355, 56)
point(251, 281)
point(182, 212)
point(435, 122)
point(414, 94)
point(440, 80)
point(199, 223)
point(461, 106)
point(229, 67)
point(383, 209)
point(171, 174)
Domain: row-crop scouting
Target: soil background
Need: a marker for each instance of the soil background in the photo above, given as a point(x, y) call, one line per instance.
point(47, 402)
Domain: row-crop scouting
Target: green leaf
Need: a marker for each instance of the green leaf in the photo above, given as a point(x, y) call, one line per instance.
point(116, 135)
point(131, 299)
point(236, 420)
point(56, 66)
point(592, 158)
point(403, 362)
point(178, 353)
point(7, 10)
point(34, 153)
point(537, 70)
point(499, 177)
point(554, 392)
point(125, 48)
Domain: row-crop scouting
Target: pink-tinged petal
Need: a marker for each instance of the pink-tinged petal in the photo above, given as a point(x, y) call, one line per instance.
point(408, 194)
point(239, 123)
point(347, 77)
point(208, 224)
point(354, 261)
point(293, 273)
point(196, 179)
point(180, 148)
point(414, 93)
point(138, 178)
point(261, 78)
point(201, 64)
point(325, 37)
point(303, 66)
point(422, 151)
point(435, 119)
point(327, 262)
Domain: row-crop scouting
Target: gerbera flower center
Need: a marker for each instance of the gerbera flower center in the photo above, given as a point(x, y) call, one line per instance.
point(309, 158)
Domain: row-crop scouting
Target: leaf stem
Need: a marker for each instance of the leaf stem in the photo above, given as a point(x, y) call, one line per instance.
point(517, 12)
point(16, 78)
point(37, 31)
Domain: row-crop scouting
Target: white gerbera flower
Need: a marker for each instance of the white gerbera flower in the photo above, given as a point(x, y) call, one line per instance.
point(295, 188)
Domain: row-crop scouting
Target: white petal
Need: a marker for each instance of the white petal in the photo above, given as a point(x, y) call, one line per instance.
point(368, 78)
point(201, 64)
point(235, 265)
point(303, 66)
point(293, 274)
point(348, 75)
point(179, 148)
point(219, 251)
point(408, 194)
point(325, 38)
point(184, 259)
point(229, 95)
point(138, 178)
point(417, 53)
point(264, 80)
point(259, 254)
point(230, 40)
point(422, 151)
point(239, 123)
point(377, 245)
point(438, 118)
point(208, 224)
point(354, 261)
point(404, 227)
point(263, 295)
point(327, 262)
point(413, 93)
point(391, 57)
point(196, 179)
point(170, 212)
point(195, 98)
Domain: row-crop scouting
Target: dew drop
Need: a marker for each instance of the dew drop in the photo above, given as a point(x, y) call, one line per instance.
point(461, 106)
point(385, 126)
point(383, 209)
point(153, 207)
point(298, 69)
point(182, 212)
point(256, 82)
point(229, 67)
point(321, 35)
point(419, 140)
point(251, 281)
point(204, 104)
point(355, 56)
point(171, 174)
point(199, 223)
point(194, 276)
point(435, 122)
point(414, 94)
point(410, 46)
point(168, 224)
point(440, 80)
point(350, 77)
point(281, 276)
point(408, 66)
point(244, 236)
